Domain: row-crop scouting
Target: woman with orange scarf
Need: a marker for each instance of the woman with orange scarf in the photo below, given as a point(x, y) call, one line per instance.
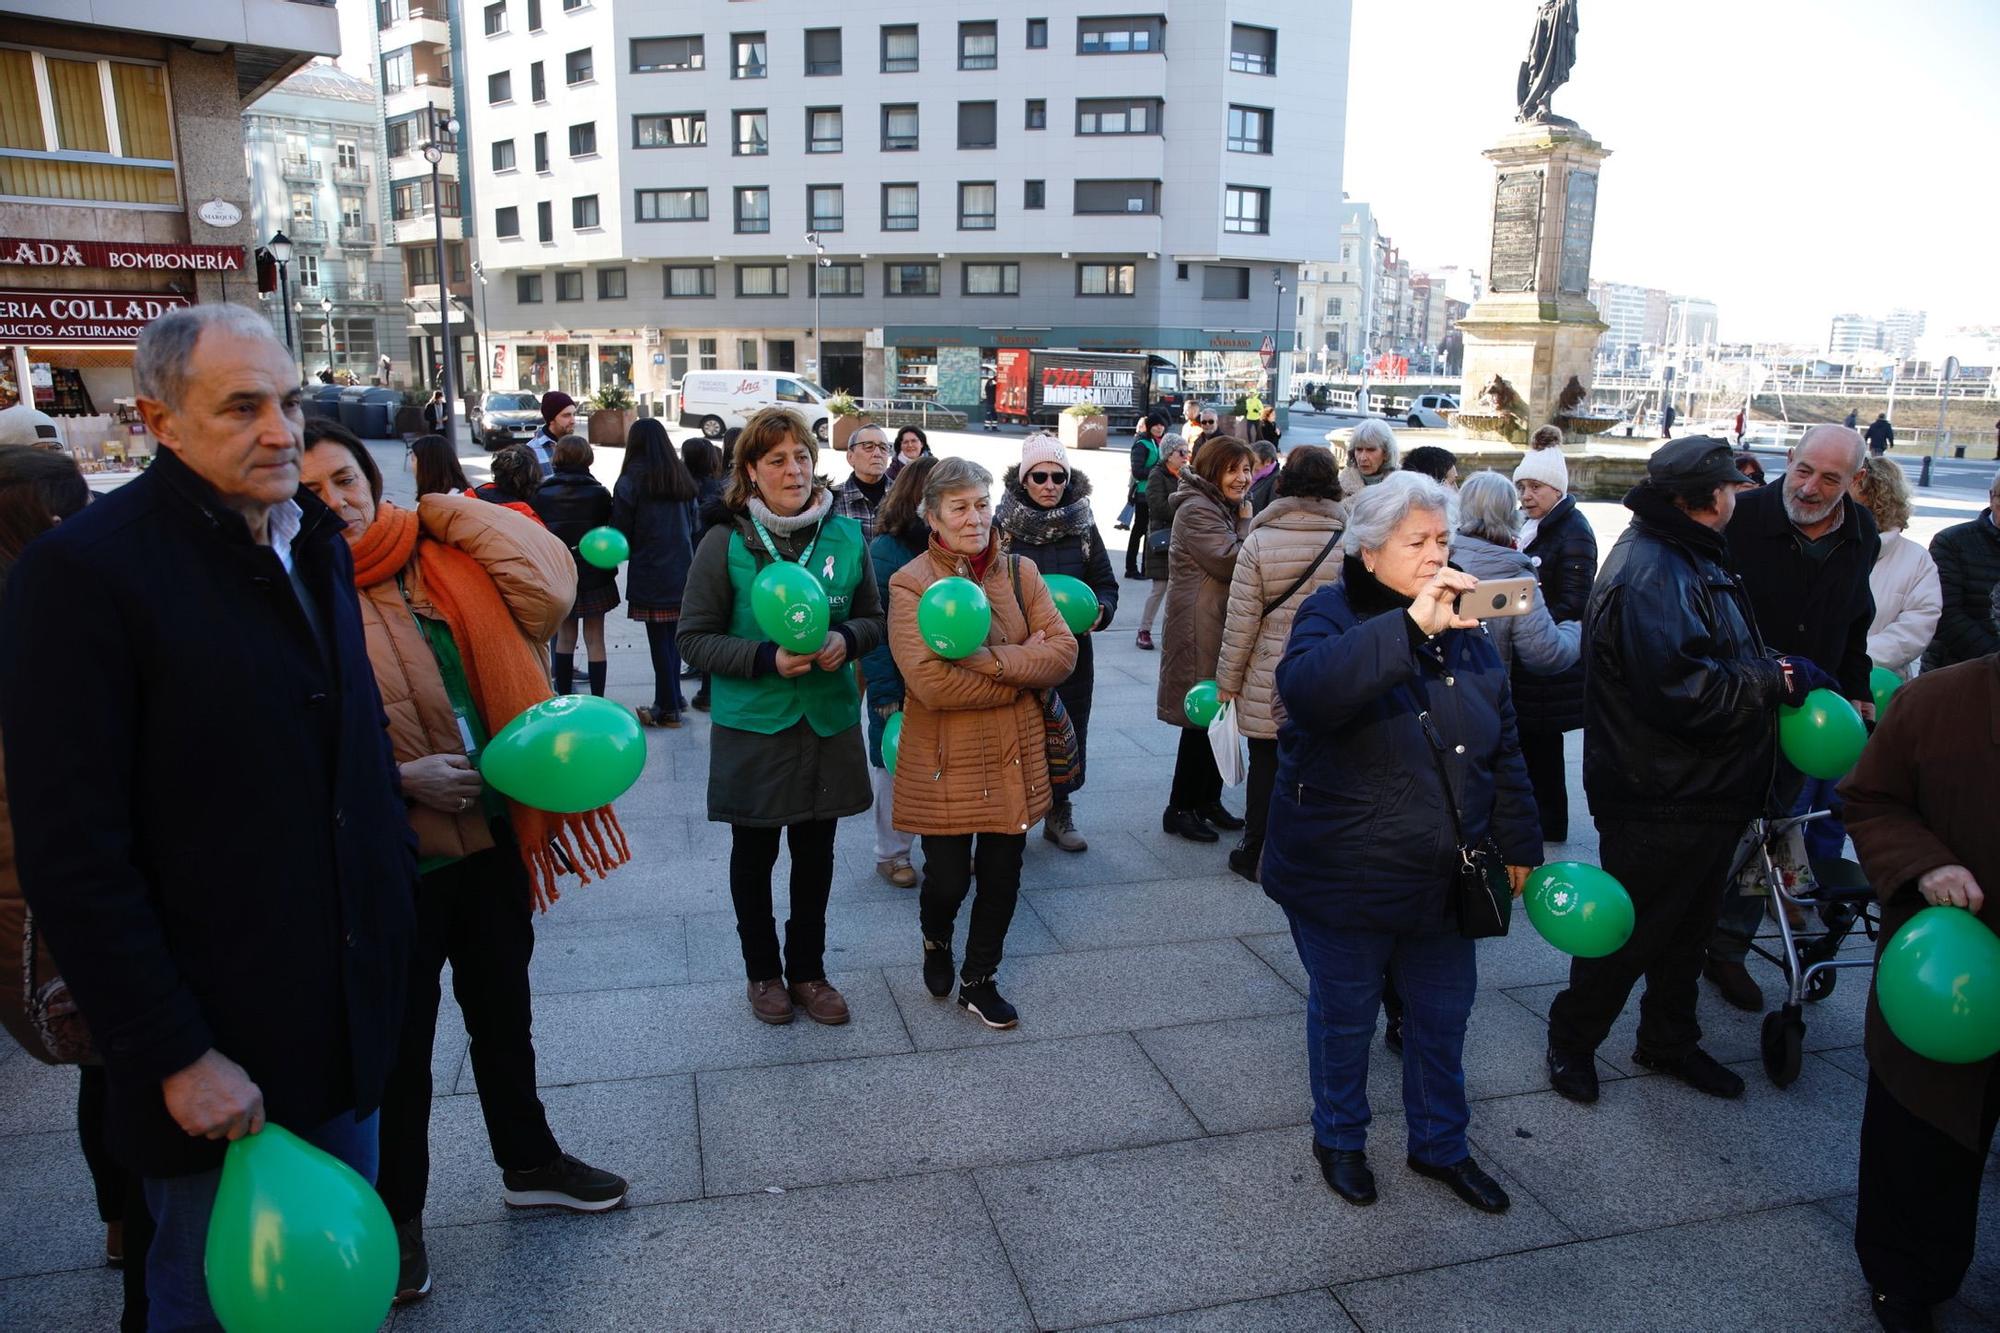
point(457, 600)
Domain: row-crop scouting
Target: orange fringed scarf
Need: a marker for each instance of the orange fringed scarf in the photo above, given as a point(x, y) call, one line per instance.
point(505, 676)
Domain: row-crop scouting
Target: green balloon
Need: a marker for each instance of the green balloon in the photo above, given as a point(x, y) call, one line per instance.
point(604, 547)
point(892, 741)
point(954, 617)
point(298, 1243)
point(1823, 737)
point(1938, 982)
point(1202, 703)
point(1579, 908)
point(567, 754)
point(1074, 600)
point(789, 605)
point(1882, 683)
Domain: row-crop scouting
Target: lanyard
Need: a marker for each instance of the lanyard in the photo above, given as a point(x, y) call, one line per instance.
point(805, 556)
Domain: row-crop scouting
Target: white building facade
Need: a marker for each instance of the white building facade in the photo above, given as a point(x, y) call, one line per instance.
point(644, 175)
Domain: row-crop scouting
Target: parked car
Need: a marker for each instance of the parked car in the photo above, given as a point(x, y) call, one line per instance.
point(1427, 411)
point(502, 419)
point(715, 400)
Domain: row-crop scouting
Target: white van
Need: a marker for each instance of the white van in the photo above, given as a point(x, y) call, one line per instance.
point(715, 400)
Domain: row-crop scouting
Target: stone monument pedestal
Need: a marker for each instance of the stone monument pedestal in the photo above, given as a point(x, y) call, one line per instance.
point(1535, 327)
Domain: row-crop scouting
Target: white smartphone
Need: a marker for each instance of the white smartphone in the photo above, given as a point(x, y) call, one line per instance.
point(1496, 599)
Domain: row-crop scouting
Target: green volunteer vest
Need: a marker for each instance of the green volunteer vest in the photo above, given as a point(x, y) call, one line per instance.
point(829, 701)
point(1152, 461)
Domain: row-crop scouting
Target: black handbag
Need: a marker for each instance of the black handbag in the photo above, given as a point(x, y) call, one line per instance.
point(1065, 755)
point(1480, 894)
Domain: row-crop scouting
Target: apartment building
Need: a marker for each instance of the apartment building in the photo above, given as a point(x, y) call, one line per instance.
point(645, 176)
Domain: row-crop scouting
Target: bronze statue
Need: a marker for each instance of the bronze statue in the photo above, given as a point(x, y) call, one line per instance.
point(1573, 396)
point(1550, 58)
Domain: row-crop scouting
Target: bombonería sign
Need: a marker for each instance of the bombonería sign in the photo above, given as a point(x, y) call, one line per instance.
point(141, 255)
point(80, 317)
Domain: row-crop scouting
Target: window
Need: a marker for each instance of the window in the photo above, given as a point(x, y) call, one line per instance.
point(837, 279)
point(569, 5)
point(746, 55)
point(1246, 209)
point(1118, 115)
point(1225, 282)
point(687, 280)
point(1249, 129)
point(683, 129)
point(412, 199)
point(350, 218)
point(534, 15)
point(822, 51)
point(611, 284)
point(1333, 307)
point(503, 155)
point(569, 286)
point(1180, 272)
point(670, 205)
point(583, 139)
point(978, 46)
point(1253, 50)
point(1106, 279)
point(538, 84)
point(545, 222)
point(753, 208)
point(660, 55)
point(990, 279)
point(421, 270)
point(705, 354)
point(302, 207)
point(1038, 34)
point(763, 280)
point(823, 129)
point(899, 127)
point(496, 18)
point(507, 222)
point(500, 87)
point(528, 288)
point(1038, 114)
point(899, 208)
point(910, 279)
point(401, 134)
point(978, 124)
point(577, 67)
point(1117, 196)
point(1034, 194)
point(345, 156)
point(1120, 35)
point(583, 212)
point(899, 48)
point(977, 204)
point(307, 266)
point(542, 152)
point(826, 208)
point(753, 134)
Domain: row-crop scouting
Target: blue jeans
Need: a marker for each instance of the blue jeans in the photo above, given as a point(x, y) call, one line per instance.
point(176, 1290)
point(1435, 975)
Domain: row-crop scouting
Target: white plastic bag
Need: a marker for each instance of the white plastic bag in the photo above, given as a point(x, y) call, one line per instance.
point(1226, 739)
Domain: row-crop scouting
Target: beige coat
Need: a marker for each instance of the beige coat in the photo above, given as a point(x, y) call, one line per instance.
point(1208, 532)
point(536, 577)
point(1284, 541)
point(974, 755)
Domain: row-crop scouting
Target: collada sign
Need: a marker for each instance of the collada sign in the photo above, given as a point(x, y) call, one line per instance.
point(81, 317)
point(34, 253)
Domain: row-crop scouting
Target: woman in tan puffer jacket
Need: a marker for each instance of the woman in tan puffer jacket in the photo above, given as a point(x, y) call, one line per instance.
point(1288, 554)
point(972, 773)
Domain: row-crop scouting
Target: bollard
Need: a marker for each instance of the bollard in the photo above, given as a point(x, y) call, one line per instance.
point(1924, 474)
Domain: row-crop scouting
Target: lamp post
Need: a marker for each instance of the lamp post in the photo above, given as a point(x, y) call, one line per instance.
point(1277, 319)
point(326, 316)
point(820, 261)
point(280, 246)
point(434, 151)
point(485, 365)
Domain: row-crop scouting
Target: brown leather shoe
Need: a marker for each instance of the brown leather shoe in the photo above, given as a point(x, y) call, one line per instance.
point(822, 1003)
point(1738, 987)
point(769, 1001)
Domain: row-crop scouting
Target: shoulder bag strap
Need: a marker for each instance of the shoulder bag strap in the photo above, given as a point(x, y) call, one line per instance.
point(1444, 777)
point(1300, 582)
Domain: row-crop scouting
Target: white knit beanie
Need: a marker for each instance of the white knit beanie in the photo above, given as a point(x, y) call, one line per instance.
point(1546, 466)
point(1042, 447)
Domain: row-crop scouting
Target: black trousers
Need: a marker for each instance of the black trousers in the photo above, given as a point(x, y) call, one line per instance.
point(663, 642)
point(752, 854)
point(1075, 695)
point(951, 863)
point(120, 1196)
point(1918, 1211)
point(1135, 546)
point(1548, 774)
point(1674, 874)
point(1257, 796)
point(477, 915)
point(1197, 781)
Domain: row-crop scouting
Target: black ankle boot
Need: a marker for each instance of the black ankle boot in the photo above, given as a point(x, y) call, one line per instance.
point(565, 665)
point(1244, 857)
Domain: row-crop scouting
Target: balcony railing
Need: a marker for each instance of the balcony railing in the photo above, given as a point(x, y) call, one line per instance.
point(363, 235)
point(357, 174)
point(304, 229)
point(422, 210)
point(301, 169)
point(355, 292)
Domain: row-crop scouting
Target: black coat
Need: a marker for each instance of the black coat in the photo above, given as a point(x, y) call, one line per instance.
point(1968, 561)
point(1565, 554)
point(1680, 718)
point(1880, 435)
point(1816, 609)
point(206, 811)
point(571, 503)
point(663, 535)
point(1159, 498)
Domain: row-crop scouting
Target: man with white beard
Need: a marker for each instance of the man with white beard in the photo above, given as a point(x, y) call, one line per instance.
point(1804, 550)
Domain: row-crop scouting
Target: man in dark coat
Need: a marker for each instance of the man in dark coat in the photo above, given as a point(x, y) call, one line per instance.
point(1881, 435)
point(204, 803)
point(1968, 563)
point(1679, 737)
point(1804, 550)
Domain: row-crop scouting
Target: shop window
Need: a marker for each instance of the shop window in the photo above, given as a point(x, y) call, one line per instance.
point(614, 365)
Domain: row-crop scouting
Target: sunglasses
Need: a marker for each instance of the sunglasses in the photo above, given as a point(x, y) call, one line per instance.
point(1041, 478)
point(1208, 421)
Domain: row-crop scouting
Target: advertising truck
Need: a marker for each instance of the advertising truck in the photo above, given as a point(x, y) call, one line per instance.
point(1034, 385)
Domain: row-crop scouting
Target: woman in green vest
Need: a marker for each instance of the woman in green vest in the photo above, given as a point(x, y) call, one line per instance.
point(785, 754)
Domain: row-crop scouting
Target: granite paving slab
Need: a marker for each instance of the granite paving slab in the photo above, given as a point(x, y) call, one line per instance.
point(573, 953)
point(1117, 915)
point(49, 1196)
point(1301, 1312)
point(863, 933)
point(85, 1301)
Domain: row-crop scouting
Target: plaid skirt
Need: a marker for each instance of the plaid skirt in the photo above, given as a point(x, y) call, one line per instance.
point(595, 601)
point(655, 615)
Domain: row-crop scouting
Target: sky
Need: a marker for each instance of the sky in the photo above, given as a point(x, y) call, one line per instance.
point(1787, 159)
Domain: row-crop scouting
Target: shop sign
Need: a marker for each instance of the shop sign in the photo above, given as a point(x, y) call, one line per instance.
point(220, 213)
point(80, 317)
point(140, 255)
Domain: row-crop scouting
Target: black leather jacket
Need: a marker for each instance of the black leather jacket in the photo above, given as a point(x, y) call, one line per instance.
point(1680, 696)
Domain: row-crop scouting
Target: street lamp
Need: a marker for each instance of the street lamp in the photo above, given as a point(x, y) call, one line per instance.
point(1277, 319)
point(280, 248)
point(485, 366)
point(820, 261)
point(434, 149)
